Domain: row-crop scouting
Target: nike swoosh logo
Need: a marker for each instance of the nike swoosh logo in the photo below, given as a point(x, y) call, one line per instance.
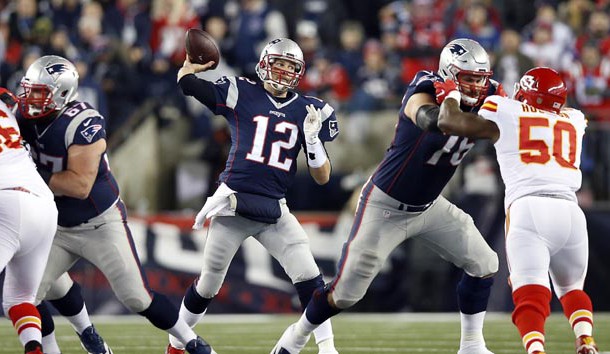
point(95, 227)
point(87, 122)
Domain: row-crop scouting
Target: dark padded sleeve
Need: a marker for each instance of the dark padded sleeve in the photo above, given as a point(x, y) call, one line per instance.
point(427, 117)
point(201, 89)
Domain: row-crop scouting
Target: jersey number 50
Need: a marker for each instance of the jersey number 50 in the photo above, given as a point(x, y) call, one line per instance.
point(538, 150)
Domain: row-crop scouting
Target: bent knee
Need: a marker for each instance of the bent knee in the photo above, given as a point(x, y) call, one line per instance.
point(484, 266)
point(137, 304)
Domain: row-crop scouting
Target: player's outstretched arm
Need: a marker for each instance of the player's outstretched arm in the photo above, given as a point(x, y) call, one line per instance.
point(452, 121)
point(189, 67)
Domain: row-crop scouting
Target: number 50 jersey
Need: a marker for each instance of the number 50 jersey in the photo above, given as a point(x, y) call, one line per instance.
point(538, 151)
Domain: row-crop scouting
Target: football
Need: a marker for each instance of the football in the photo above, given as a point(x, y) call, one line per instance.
point(201, 47)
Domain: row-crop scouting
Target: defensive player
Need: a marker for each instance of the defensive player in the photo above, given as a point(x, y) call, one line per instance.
point(538, 145)
point(68, 144)
point(269, 125)
point(28, 220)
point(402, 200)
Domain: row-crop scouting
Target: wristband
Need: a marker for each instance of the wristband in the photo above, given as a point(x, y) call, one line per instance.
point(455, 94)
point(316, 154)
point(46, 175)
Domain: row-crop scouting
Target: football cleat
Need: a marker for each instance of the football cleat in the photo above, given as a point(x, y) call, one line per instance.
point(92, 342)
point(481, 349)
point(172, 350)
point(199, 346)
point(289, 342)
point(33, 347)
point(586, 345)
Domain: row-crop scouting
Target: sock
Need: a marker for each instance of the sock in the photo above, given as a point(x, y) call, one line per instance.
point(324, 332)
point(72, 306)
point(319, 309)
point(164, 315)
point(193, 306)
point(532, 307)
point(473, 294)
point(26, 320)
point(578, 309)
point(472, 330)
point(49, 342)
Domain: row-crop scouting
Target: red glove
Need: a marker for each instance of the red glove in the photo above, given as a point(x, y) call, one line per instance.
point(499, 88)
point(443, 89)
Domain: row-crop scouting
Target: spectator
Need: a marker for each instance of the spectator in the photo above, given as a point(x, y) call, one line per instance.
point(591, 83)
point(327, 80)
point(350, 52)
point(598, 33)
point(509, 62)
point(575, 13)
point(477, 25)
point(377, 83)
point(254, 24)
point(543, 49)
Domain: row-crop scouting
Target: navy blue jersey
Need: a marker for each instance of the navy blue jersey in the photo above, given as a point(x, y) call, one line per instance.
point(418, 164)
point(78, 124)
point(266, 135)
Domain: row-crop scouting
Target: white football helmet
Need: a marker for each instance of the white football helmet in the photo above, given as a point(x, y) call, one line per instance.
point(49, 84)
point(286, 49)
point(465, 56)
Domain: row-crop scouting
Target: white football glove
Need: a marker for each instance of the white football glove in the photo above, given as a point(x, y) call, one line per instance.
point(312, 124)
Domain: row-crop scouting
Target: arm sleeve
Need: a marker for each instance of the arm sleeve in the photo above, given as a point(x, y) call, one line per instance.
point(202, 90)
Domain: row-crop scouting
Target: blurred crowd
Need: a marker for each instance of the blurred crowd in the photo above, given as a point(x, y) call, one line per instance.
point(360, 55)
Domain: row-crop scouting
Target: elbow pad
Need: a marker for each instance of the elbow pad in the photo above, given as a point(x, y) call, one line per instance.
point(427, 117)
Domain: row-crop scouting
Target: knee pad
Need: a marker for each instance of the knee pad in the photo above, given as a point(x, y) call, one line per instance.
point(138, 304)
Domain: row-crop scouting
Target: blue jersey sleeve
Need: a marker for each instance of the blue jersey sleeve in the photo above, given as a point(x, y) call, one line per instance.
point(423, 82)
point(330, 125)
point(228, 91)
point(89, 131)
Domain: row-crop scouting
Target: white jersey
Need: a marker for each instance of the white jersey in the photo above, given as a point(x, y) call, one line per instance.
point(538, 151)
point(16, 167)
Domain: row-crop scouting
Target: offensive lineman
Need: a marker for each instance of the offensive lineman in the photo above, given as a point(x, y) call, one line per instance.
point(68, 144)
point(28, 220)
point(538, 145)
point(269, 125)
point(402, 200)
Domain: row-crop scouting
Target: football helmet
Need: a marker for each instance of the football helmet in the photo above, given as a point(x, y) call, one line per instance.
point(462, 57)
point(286, 49)
point(49, 84)
point(542, 88)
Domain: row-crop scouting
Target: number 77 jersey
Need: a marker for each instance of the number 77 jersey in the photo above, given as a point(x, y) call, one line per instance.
point(538, 151)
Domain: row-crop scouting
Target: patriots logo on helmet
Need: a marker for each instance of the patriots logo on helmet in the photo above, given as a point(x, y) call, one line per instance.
point(457, 50)
point(56, 69)
point(90, 132)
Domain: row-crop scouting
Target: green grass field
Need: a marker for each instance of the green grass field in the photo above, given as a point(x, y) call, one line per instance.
point(354, 333)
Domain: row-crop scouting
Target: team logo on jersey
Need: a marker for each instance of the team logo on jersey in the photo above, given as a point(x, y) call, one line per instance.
point(457, 50)
point(90, 132)
point(56, 69)
point(529, 83)
point(333, 127)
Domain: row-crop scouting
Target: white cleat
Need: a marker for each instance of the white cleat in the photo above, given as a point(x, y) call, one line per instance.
point(479, 349)
point(290, 342)
point(334, 351)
